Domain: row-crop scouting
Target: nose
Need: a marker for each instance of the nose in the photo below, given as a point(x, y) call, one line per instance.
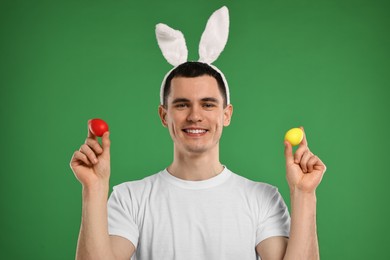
point(195, 114)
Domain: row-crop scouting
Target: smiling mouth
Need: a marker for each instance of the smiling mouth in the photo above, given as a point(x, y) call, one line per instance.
point(195, 131)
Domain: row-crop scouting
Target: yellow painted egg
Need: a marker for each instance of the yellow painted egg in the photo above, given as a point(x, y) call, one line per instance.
point(294, 136)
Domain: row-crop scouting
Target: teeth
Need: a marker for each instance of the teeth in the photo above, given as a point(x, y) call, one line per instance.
point(195, 131)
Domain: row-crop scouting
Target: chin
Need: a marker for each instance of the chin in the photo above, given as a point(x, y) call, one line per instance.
point(197, 150)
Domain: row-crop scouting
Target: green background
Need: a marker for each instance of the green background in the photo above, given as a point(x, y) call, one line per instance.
point(320, 64)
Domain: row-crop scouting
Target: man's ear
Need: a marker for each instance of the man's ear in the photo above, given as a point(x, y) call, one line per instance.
point(227, 115)
point(162, 112)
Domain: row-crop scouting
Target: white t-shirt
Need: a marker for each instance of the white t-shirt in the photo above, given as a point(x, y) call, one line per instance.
point(224, 217)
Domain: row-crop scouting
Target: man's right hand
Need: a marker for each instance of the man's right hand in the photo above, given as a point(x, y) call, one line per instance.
point(91, 166)
point(91, 163)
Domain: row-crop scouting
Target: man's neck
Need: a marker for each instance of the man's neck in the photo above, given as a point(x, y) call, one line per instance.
point(195, 167)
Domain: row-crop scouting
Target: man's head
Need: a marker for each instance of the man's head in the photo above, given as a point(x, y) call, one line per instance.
point(195, 111)
point(194, 96)
point(191, 70)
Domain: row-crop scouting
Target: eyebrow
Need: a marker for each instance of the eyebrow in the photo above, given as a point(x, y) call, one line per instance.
point(210, 99)
point(185, 100)
point(180, 100)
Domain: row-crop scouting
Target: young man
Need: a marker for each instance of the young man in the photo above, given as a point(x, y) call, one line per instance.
point(196, 208)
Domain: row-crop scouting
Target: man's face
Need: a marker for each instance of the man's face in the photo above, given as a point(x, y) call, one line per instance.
point(194, 114)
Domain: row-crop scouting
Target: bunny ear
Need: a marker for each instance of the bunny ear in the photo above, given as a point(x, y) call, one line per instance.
point(172, 44)
point(215, 36)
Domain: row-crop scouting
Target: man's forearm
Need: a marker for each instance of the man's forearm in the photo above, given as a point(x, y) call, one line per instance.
point(303, 242)
point(94, 242)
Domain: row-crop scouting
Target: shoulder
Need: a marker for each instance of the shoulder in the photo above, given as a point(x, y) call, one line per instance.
point(131, 196)
point(253, 186)
point(259, 193)
point(137, 186)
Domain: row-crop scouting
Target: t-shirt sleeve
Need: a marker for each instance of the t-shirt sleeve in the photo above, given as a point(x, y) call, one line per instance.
point(274, 219)
point(121, 217)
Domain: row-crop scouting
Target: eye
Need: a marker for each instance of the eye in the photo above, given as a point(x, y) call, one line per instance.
point(181, 105)
point(208, 105)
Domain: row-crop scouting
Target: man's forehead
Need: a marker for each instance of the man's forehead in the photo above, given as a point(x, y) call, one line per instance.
point(197, 87)
point(186, 100)
point(199, 80)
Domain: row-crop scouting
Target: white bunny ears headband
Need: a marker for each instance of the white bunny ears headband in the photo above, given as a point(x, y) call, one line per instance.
point(212, 43)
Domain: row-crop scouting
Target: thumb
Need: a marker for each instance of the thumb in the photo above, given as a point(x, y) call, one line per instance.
point(288, 153)
point(106, 143)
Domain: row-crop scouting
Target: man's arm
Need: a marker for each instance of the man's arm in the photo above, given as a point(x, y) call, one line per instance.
point(303, 242)
point(91, 166)
point(273, 248)
point(94, 241)
point(304, 173)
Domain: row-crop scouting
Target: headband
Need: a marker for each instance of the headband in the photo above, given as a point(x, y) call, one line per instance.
point(212, 43)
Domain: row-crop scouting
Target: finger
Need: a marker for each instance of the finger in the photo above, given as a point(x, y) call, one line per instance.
point(320, 166)
point(288, 154)
point(313, 160)
point(299, 153)
point(79, 157)
point(304, 140)
point(90, 134)
point(85, 149)
point(106, 142)
point(305, 158)
point(94, 144)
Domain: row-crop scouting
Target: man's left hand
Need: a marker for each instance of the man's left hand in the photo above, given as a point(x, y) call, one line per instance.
point(304, 169)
